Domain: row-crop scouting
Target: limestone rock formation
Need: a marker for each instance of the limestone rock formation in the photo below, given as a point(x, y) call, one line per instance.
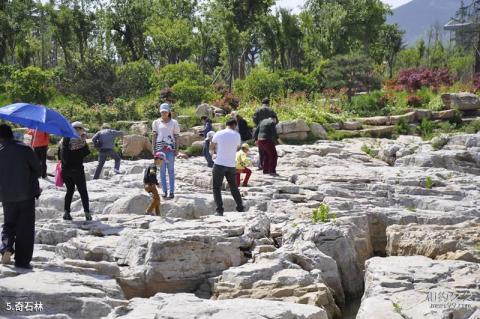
point(418, 287)
point(181, 306)
point(462, 101)
point(435, 241)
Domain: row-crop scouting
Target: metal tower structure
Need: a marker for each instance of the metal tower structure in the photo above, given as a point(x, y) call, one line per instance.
point(465, 27)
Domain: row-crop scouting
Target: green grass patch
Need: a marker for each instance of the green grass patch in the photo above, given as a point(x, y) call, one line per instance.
point(322, 214)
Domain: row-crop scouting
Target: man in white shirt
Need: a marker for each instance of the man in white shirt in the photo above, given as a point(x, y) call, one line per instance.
point(226, 144)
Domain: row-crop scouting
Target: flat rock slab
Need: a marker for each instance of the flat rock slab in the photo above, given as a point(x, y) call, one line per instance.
point(59, 291)
point(187, 306)
point(419, 287)
point(457, 242)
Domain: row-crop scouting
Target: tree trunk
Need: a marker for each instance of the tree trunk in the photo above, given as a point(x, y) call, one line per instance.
point(477, 56)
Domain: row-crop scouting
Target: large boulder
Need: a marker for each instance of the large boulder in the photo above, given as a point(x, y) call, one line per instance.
point(187, 306)
point(131, 204)
point(135, 145)
point(187, 138)
point(205, 110)
point(292, 127)
point(319, 131)
point(139, 128)
point(463, 101)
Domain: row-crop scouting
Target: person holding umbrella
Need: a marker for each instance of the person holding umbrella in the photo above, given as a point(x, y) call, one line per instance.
point(72, 152)
point(40, 146)
point(19, 173)
point(44, 119)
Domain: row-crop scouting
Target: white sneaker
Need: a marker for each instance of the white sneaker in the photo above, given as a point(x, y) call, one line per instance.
point(117, 171)
point(6, 258)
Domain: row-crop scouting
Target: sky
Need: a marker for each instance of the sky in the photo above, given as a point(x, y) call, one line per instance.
point(295, 4)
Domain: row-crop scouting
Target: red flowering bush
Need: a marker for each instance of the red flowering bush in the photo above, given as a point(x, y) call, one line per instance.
point(476, 82)
point(414, 101)
point(386, 100)
point(228, 102)
point(416, 78)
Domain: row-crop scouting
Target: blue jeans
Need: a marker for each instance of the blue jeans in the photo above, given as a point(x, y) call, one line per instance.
point(206, 153)
point(170, 166)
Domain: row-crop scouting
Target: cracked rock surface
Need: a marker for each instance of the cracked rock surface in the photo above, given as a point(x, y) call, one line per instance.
point(398, 225)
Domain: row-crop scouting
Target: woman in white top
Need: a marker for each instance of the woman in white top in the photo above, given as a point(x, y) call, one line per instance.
point(165, 139)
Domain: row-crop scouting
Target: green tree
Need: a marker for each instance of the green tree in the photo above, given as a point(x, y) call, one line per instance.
point(31, 85)
point(125, 19)
point(353, 72)
point(388, 46)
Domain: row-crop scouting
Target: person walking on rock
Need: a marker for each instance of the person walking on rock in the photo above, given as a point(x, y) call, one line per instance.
point(207, 126)
point(40, 142)
point(104, 140)
point(242, 127)
point(264, 112)
point(266, 137)
point(72, 152)
point(19, 173)
point(226, 143)
point(165, 138)
point(206, 148)
point(150, 182)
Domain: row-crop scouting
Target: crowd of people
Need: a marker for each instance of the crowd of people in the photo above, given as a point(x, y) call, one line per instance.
point(21, 165)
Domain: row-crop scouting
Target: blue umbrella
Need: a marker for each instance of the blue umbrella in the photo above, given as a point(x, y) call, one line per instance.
point(38, 117)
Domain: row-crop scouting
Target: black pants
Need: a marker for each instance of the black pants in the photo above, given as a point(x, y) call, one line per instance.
point(72, 178)
point(219, 172)
point(42, 157)
point(19, 230)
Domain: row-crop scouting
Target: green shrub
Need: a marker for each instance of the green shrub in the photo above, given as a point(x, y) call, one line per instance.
point(428, 182)
point(435, 103)
point(294, 81)
point(367, 104)
point(258, 84)
point(353, 72)
point(446, 127)
point(322, 214)
point(456, 119)
point(171, 74)
point(133, 79)
point(6, 72)
point(32, 85)
point(472, 127)
point(126, 110)
point(402, 127)
point(426, 95)
point(190, 94)
point(92, 80)
point(425, 129)
point(368, 150)
point(194, 150)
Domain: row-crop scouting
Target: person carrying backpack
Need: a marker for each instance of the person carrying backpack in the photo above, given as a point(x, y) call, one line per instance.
point(104, 141)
